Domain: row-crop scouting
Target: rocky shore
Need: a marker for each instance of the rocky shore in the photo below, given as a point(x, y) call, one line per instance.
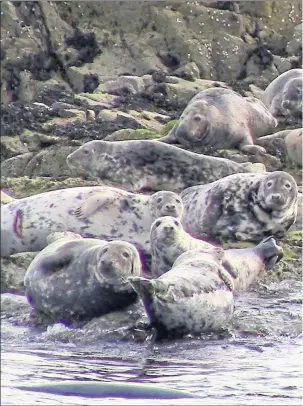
point(79, 71)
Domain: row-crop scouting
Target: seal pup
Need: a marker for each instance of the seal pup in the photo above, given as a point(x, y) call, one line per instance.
point(244, 207)
point(191, 298)
point(220, 118)
point(168, 241)
point(143, 164)
point(283, 96)
point(102, 212)
point(81, 278)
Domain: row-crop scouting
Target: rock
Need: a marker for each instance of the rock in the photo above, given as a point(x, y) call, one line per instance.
point(6, 198)
point(13, 269)
point(282, 64)
point(190, 71)
point(34, 141)
point(122, 85)
point(11, 146)
point(129, 134)
point(294, 46)
point(82, 80)
point(16, 166)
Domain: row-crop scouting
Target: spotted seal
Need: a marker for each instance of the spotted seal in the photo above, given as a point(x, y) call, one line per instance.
point(168, 241)
point(101, 212)
point(241, 207)
point(283, 96)
point(189, 298)
point(81, 278)
point(220, 118)
point(143, 164)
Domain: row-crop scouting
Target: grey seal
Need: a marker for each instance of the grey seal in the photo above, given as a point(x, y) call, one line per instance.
point(222, 119)
point(245, 207)
point(81, 278)
point(191, 298)
point(143, 164)
point(102, 212)
point(168, 241)
point(283, 96)
point(288, 142)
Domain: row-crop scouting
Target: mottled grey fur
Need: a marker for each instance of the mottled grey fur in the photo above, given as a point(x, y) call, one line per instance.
point(76, 278)
point(101, 212)
point(283, 96)
point(241, 207)
point(221, 118)
point(190, 298)
point(168, 241)
point(153, 165)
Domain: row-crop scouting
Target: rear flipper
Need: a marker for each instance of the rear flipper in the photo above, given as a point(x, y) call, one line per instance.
point(252, 149)
point(270, 252)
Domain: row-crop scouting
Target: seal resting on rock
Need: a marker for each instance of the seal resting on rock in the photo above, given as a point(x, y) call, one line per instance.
point(283, 96)
point(81, 278)
point(191, 298)
point(244, 207)
point(222, 119)
point(153, 165)
point(288, 142)
point(168, 241)
point(101, 212)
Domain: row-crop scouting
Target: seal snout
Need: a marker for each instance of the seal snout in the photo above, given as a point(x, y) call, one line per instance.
point(277, 198)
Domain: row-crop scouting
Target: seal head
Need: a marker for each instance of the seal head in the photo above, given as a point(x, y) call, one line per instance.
point(165, 203)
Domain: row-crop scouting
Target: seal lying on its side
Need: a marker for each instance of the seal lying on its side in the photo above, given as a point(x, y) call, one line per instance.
point(153, 165)
point(241, 207)
point(283, 96)
point(221, 118)
point(168, 241)
point(190, 298)
point(98, 211)
point(81, 278)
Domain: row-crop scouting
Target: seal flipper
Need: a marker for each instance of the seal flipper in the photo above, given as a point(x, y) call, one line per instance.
point(55, 261)
point(270, 252)
point(170, 138)
point(95, 203)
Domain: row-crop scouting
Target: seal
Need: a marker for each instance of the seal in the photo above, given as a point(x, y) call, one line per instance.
point(220, 118)
point(143, 164)
point(102, 212)
point(287, 142)
point(191, 298)
point(168, 241)
point(245, 207)
point(283, 96)
point(81, 278)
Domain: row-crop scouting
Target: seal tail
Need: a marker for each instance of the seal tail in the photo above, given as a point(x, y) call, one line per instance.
point(270, 251)
point(144, 287)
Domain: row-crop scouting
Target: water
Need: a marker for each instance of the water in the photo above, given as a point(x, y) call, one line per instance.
point(260, 364)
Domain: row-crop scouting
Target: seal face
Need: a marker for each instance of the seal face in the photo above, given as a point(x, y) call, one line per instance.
point(74, 278)
point(102, 212)
point(221, 118)
point(168, 241)
point(283, 96)
point(143, 164)
point(244, 207)
point(189, 298)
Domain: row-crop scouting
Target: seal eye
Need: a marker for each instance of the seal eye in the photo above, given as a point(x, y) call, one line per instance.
point(125, 254)
point(197, 118)
point(287, 185)
point(269, 184)
point(176, 223)
point(159, 200)
point(104, 251)
point(86, 151)
point(178, 200)
point(157, 223)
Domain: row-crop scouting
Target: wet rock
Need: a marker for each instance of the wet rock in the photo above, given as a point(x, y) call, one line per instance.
point(13, 269)
point(282, 64)
point(190, 71)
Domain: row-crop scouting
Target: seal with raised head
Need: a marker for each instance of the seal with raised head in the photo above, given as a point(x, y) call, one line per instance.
point(283, 96)
point(287, 142)
point(220, 118)
point(244, 207)
point(144, 164)
point(191, 298)
point(81, 278)
point(168, 241)
point(102, 212)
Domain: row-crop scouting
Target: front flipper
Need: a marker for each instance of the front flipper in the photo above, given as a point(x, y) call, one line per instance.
point(95, 203)
point(53, 262)
point(252, 149)
point(170, 138)
point(226, 278)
